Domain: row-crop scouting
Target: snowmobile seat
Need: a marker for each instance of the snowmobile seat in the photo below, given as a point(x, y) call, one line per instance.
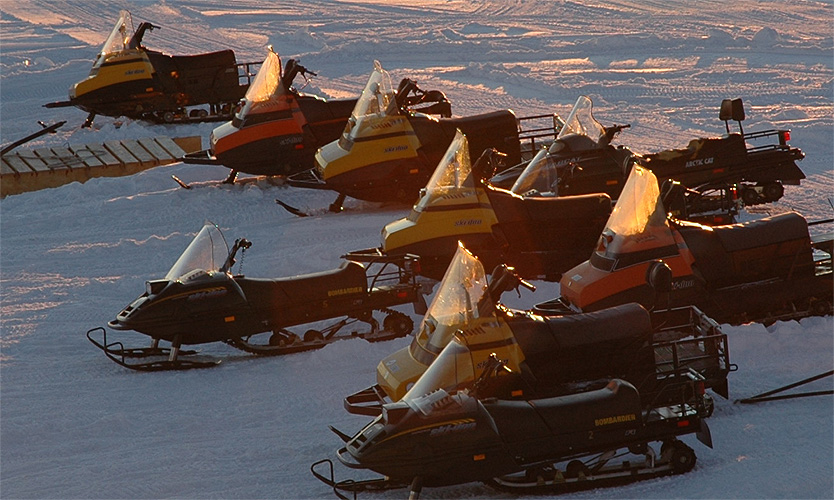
point(317, 109)
point(772, 247)
point(311, 289)
point(587, 346)
point(712, 152)
point(615, 406)
point(210, 77)
point(498, 129)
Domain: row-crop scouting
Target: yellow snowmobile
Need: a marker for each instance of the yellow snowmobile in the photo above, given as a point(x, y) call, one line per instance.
point(128, 79)
point(389, 148)
point(466, 306)
point(497, 225)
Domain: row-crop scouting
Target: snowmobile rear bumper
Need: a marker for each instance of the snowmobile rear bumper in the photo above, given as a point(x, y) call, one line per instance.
point(366, 402)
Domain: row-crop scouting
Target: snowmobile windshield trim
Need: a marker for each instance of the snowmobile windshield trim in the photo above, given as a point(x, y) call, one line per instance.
point(207, 252)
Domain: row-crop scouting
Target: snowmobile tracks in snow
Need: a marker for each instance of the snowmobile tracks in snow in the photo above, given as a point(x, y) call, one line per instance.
point(47, 167)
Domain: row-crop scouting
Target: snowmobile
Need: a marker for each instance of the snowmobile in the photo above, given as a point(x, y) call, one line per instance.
point(765, 270)
point(200, 301)
point(388, 149)
point(457, 204)
point(558, 402)
point(582, 154)
point(719, 171)
point(467, 304)
point(128, 79)
point(276, 128)
point(756, 174)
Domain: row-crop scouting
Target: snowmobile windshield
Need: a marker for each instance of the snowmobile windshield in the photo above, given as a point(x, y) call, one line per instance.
point(638, 220)
point(461, 297)
point(539, 178)
point(207, 252)
point(264, 94)
point(119, 38)
point(453, 369)
point(377, 96)
point(580, 123)
point(454, 171)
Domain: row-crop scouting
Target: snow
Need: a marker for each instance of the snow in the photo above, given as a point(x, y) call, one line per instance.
point(75, 425)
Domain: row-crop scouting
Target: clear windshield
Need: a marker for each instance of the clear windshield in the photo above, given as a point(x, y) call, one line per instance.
point(378, 94)
point(454, 171)
point(638, 218)
point(119, 37)
point(207, 252)
point(456, 302)
point(581, 121)
point(264, 94)
point(539, 178)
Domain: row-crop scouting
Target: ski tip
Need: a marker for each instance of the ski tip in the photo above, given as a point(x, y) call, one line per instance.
point(180, 182)
point(291, 209)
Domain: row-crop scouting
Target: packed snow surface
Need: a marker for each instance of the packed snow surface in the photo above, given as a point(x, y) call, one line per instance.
point(75, 425)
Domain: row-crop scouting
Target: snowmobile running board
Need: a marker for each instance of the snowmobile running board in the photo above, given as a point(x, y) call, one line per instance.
point(119, 355)
point(769, 395)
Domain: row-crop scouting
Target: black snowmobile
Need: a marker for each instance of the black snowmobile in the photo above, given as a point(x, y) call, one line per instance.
point(558, 403)
point(389, 148)
point(754, 173)
point(499, 226)
point(201, 301)
point(582, 155)
point(276, 129)
point(764, 270)
point(128, 79)
point(716, 170)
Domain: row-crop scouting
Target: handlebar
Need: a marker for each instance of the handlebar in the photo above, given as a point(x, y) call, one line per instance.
point(240, 244)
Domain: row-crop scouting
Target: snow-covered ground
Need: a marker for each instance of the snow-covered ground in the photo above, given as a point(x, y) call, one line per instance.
point(74, 425)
